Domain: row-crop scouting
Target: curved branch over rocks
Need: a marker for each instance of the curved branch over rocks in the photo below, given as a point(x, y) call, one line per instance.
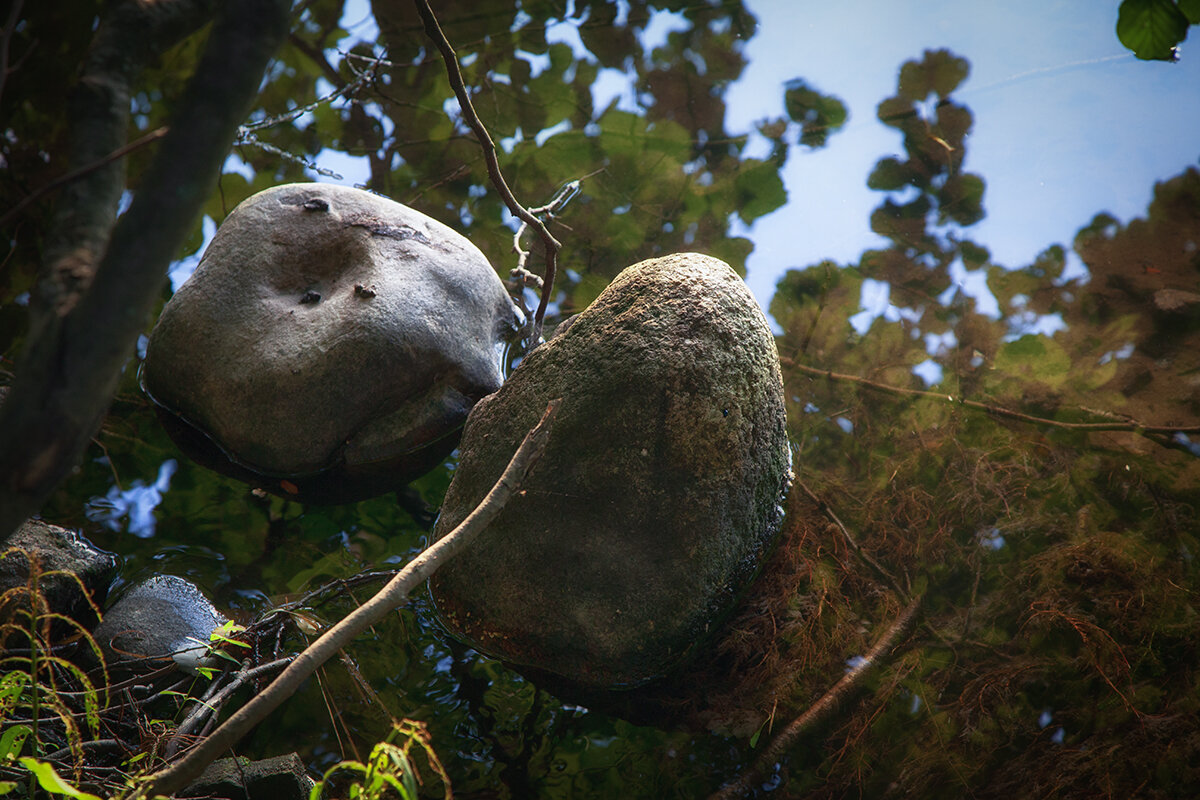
point(387, 599)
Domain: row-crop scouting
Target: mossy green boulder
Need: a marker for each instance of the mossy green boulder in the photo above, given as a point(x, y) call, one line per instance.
point(658, 492)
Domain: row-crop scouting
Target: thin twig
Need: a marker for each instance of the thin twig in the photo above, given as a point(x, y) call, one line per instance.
point(390, 597)
point(826, 706)
point(210, 706)
point(63, 180)
point(996, 411)
point(550, 245)
point(863, 555)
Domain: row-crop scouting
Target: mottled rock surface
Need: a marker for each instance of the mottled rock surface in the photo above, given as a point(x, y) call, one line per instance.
point(657, 494)
point(329, 345)
point(279, 778)
point(165, 617)
point(60, 551)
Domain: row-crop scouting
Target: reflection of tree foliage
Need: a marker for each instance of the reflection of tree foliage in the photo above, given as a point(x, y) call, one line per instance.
point(1059, 563)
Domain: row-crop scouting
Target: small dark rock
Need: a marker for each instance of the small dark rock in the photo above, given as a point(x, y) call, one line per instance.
point(279, 778)
point(64, 551)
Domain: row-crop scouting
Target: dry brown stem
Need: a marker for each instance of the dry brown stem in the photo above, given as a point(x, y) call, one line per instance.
point(120, 152)
point(998, 411)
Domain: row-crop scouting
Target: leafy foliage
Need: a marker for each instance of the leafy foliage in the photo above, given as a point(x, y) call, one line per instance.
point(44, 693)
point(1153, 29)
point(1062, 619)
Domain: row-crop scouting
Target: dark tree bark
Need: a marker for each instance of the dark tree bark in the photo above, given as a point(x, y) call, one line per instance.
point(101, 279)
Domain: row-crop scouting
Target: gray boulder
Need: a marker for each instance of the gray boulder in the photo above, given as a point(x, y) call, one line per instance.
point(165, 617)
point(329, 345)
point(658, 492)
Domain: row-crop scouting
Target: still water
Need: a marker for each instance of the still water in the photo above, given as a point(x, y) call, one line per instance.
point(983, 222)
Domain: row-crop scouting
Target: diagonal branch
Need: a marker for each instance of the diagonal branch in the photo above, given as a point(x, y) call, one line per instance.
point(995, 411)
point(550, 245)
point(76, 174)
point(826, 706)
point(387, 599)
point(863, 555)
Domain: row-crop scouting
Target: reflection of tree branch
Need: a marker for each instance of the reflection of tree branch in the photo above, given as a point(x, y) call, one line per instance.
point(317, 56)
point(826, 706)
point(550, 245)
point(10, 26)
point(1148, 431)
point(103, 279)
point(390, 597)
point(863, 555)
point(62, 180)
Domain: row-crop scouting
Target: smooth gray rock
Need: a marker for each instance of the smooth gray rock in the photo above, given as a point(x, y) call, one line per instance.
point(60, 551)
point(658, 492)
point(165, 617)
point(329, 345)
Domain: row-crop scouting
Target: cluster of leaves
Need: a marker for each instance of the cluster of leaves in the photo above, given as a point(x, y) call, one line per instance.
point(44, 694)
point(389, 766)
point(1153, 29)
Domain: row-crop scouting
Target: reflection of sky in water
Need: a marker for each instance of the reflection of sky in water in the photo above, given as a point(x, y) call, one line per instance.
point(990, 538)
point(1067, 122)
point(134, 505)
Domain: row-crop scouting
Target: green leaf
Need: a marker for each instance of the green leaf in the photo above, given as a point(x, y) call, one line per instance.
point(1034, 357)
point(818, 114)
point(1191, 10)
point(12, 741)
point(759, 190)
point(889, 174)
point(938, 72)
point(49, 780)
point(1152, 28)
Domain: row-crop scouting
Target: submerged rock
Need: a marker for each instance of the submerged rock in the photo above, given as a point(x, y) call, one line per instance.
point(165, 617)
point(329, 345)
point(657, 494)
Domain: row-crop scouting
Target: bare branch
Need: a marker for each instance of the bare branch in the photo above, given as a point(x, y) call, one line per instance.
point(826, 706)
point(63, 180)
point(211, 706)
point(387, 599)
point(550, 245)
